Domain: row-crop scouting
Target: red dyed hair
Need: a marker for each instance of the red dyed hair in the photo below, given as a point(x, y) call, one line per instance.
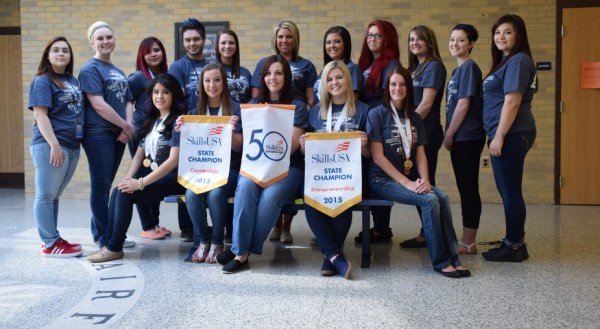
point(145, 46)
point(391, 51)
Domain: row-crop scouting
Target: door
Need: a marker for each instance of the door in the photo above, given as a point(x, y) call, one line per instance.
point(580, 117)
point(11, 111)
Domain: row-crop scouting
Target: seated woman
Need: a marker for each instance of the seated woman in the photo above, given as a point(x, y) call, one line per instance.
point(397, 141)
point(213, 99)
point(256, 209)
point(338, 111)
point(152, 174)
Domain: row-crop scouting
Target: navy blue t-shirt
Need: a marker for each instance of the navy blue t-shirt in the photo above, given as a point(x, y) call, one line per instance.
point(381, 127)
point(375, 99)
point(104, 79)
point(188, 72)
point(65, 109)
point(517, 74)
point(138, 84)
point(239, 88)
point(433, 76)
point(355, 74)
point(163, 149)
point(466, 82)
point(300, 121)
point(356, 123)
point(304, 75)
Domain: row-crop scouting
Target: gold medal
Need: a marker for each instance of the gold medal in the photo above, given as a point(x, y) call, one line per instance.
point(407, 166)
point(154, 165)
point(146, 162)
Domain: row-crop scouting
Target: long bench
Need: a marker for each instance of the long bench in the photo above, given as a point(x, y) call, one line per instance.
point(364, 206)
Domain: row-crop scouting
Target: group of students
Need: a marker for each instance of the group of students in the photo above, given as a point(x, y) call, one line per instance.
point(395, 109)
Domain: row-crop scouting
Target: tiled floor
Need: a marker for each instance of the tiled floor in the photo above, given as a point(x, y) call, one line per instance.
point(558, 287)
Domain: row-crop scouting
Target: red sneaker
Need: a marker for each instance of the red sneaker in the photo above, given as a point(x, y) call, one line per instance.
point(75, 246)
point(154, 234)
point(61, 249)
point(165, 230)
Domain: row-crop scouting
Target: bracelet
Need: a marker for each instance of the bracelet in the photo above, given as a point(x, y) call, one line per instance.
point(141, 183)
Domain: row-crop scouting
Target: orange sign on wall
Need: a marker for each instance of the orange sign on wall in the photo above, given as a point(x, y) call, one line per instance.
point(590, 75)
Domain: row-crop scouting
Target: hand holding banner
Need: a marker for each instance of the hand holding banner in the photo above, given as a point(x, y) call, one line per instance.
point(205, 152)
point(267, 141)
point(332, 176)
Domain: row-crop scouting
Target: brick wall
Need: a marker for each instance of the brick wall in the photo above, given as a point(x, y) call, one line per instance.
point(253, 21)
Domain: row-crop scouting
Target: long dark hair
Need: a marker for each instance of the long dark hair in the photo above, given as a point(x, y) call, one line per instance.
point(178, 107)
point(144, 48)
point(410, 94)
point(346, 39)
point(391, 51)
point(287, 93)
point(235, 65)
point(521, 46)
point(45, 68)
point(226, 105)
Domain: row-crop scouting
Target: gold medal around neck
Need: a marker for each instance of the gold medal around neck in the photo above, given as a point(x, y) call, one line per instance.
point(146, 163)
point(407, 166)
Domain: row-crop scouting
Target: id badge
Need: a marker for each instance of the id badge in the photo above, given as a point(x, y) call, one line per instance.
point(79, 133)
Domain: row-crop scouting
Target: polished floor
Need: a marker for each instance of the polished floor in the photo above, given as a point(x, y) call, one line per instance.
point(152, 287)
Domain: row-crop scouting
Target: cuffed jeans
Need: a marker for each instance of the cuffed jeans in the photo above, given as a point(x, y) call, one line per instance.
point(50, 182)
point(508, 173)
point(216, 200)
point(104, 153)
point(437, 218)
point(465, 157)
point(121, 207)
point(257, 209)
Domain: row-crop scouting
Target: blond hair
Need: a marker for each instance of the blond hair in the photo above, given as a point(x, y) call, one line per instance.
point(326, 98)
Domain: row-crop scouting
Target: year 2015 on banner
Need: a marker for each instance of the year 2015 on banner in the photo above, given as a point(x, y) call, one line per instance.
point(205, 152)
point(332, 176)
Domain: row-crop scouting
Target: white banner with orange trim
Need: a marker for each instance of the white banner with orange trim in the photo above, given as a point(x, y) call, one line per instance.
point(267, 141)
point(332, 174)
point(204, 152)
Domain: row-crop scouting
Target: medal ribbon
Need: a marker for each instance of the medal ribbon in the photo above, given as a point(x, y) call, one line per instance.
point(405, 130)
point(338, 123)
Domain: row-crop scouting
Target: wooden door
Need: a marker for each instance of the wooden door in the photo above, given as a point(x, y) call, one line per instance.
point(11, 112)
point(580, 117)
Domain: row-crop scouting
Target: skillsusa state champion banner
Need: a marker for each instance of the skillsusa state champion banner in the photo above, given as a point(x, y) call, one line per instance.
point(267, 141)
point(204, 152)
point(332, 174)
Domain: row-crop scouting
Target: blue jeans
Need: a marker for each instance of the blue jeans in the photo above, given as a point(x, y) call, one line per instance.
point(437, 218)
point(50, 182)
point(104, 153)
point(508, 173)
point(465, 157)
point(216, 200)
point(148, 212)
point(121, 207)
point(329, 232)
point(256, 210)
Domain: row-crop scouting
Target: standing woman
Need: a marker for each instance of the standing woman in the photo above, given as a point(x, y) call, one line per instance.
point(256, 209)
point(465, 136)
point(337, 46)
point(152, 174)
point(108, 123)
point(286, 42)
point(429, 77)
point(507, 93)
point(57, 105)
point(337, 112)
point(151, 61)
point(379, 54)
point(214, 100)
point(238, 77)
point(397, 141)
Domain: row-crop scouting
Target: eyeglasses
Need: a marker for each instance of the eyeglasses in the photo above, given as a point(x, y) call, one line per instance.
point(377, 36)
